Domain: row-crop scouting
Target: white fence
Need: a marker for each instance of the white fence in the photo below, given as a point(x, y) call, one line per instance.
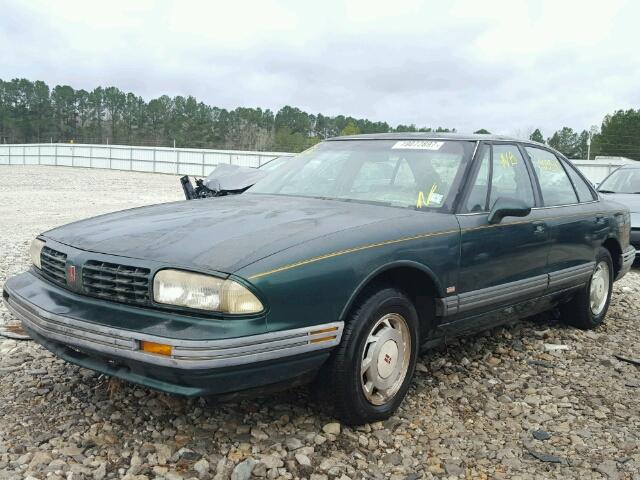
point(182, 161)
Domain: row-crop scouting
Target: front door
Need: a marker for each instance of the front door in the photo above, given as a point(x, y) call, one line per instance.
point(504, 263)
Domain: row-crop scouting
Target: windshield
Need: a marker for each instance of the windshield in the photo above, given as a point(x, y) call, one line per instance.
point(624, 180)
point(273, 164)
point(405, 173)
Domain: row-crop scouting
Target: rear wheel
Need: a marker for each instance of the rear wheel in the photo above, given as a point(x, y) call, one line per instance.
point(590, 305)
point(370, 372)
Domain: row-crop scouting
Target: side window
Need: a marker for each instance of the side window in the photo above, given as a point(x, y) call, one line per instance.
point(477, 200)
point(584, 192)
point(555, 185)
point(509, 177)
point(504, 173)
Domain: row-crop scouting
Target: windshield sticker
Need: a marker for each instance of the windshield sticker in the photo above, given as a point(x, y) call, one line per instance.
point(435, 198)
point(507, 160)
point(417, 145)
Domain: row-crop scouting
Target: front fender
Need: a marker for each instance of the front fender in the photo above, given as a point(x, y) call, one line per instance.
point(435, 282)
point(316, 282)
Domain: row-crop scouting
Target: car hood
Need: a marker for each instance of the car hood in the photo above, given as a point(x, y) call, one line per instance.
point(629, 200)
point(223, 233)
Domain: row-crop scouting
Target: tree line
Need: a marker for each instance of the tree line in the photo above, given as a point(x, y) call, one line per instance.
point(31, 111)
point(618, 136)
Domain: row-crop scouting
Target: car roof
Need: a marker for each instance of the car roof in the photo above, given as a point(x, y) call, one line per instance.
point(475, 137)
point(628, 166)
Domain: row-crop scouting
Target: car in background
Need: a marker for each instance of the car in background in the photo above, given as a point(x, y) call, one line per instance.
point(623, 185)
point(228, 179)
point(337, 268)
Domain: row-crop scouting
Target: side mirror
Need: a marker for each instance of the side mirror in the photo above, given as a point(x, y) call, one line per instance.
point(507, 207)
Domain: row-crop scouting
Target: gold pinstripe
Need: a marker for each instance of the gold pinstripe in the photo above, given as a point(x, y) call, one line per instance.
point(338, 253)
point(351, 250)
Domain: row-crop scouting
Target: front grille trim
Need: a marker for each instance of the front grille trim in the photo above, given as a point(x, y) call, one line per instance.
point(116, 282)
point(53, 265)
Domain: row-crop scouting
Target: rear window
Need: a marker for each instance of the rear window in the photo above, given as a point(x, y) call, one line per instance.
point(555, 185)
point(585, 194)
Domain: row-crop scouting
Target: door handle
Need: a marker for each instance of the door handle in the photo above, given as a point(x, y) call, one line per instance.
point(539, 227)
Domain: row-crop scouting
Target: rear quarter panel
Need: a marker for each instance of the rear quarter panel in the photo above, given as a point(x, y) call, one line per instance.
point(620, 222)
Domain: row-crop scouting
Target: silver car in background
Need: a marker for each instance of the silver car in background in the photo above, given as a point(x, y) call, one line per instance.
point(623, 186)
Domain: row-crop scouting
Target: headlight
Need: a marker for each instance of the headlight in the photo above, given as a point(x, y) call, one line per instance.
point(203, 292)
point(35, 250)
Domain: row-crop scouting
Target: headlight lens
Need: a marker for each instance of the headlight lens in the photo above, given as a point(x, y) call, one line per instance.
point(35, 250)
point(203, 292)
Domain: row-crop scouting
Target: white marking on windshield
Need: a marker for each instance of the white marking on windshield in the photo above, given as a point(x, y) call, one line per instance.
point(417, 145)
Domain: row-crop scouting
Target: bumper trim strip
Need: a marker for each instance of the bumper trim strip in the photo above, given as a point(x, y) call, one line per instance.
point(629, 255)
point(186, 354)
point(626, 260)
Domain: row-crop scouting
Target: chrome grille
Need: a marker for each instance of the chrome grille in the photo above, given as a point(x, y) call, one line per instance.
point(119, 283)
point(53, 264)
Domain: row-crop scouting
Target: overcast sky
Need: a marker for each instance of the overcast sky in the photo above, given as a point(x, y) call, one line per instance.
point(505, 66)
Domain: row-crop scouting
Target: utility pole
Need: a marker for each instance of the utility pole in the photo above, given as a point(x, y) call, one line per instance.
point(592, 131)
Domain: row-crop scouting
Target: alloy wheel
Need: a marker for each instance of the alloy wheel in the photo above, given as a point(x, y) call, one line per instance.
point(599, 288)
point(385, 358)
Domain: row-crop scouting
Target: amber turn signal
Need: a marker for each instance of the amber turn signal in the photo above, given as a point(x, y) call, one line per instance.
point(157, 348)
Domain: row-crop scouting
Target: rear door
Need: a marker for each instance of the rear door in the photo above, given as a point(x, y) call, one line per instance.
point(570, 209)
point(504, 263)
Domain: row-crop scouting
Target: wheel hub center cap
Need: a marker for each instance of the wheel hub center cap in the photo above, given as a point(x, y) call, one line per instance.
point(387, 358)
point(599, 292)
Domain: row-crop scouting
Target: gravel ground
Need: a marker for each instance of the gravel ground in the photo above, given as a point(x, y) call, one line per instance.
point(504, 404)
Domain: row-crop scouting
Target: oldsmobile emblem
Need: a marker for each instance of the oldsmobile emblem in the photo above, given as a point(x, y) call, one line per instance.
point(71, 274)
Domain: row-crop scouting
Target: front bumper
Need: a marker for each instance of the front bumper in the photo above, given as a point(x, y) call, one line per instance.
point(194, 367)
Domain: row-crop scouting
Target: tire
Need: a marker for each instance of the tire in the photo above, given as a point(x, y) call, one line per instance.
point(589, 307)
point(391, 359)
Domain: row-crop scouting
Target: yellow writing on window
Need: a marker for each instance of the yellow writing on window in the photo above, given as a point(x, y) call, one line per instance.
point(421, 202)
point(508, 160)
point(549, 165)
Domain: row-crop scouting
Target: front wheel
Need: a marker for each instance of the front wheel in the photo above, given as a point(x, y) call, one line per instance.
point(370, 372)
point(590, 305)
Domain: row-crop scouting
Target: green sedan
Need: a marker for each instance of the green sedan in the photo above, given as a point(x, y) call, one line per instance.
point(337, 268)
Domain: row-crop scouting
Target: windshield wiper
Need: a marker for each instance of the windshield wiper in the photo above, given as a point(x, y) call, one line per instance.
point(606, 191)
